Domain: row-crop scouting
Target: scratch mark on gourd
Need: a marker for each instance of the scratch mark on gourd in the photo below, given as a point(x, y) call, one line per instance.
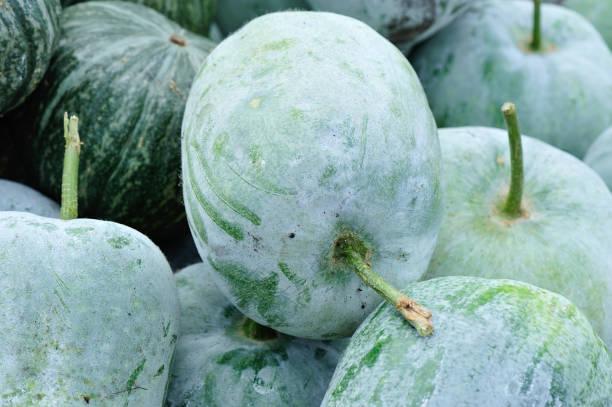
point(266, 187)
point(210, 180)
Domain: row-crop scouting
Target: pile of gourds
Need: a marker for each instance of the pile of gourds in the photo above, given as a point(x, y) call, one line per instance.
point(348, 243)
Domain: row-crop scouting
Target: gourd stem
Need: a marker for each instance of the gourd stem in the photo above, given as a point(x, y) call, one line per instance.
point(417, 315)
point(253, 330)
point(536, 37)
point(512, 207)
point(70, 175)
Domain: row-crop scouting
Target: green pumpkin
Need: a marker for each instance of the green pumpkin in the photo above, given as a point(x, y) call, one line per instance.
point(404, 23)
point(232, 14)
point(599, 157)
point(29, 30)
point(127, 71)
point(598, 12)
point(18, 197)
point(330, 144)
point(484, 58)
point(561, 241)
point(88, 308)
point(497, 343)
point(224, 359)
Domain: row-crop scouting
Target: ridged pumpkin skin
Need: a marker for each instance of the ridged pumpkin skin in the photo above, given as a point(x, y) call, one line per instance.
point(117, 69)
point(563, 245)
point(599, 157)
point(598, 12)
point(89, 310)
point(232, 14)
point(18, 197)
point(497, 343)
point(482, 60)
point(404, 23)
point(217, 365)
point(301, 126)
point(29, 30)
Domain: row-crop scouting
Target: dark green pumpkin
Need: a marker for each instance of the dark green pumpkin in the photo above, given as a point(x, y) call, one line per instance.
point(126, 70)
point(28, 34)
point(497, 343)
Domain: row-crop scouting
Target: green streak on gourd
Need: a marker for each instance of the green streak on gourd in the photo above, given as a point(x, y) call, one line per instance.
point(196, 221)
point(132, 380)
point(118, 242)
point(242, 359)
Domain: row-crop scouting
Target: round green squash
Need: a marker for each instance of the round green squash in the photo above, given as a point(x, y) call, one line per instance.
point(484, 58)
point(18, 197)
point(497, 343)
point(29, 30)
point(232, 14)
point(598, 12)
point(194, 15)
point(562, 241)
point(599, 157)
point(404, 23)
point(224, 359)
point(126, 70)
point(88, 308)
point(301, 130)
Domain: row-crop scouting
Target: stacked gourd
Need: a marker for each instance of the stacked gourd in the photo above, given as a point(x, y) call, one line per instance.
point(305, 157)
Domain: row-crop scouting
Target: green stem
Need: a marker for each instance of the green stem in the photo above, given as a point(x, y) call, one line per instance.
point(512, 207)
point(350, 250)
point(253, 330)
point(536, 37)
point(70, 176)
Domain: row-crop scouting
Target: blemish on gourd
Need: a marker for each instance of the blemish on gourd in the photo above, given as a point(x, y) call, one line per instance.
point(78, 231)
point(255, 103)
point(159, 371)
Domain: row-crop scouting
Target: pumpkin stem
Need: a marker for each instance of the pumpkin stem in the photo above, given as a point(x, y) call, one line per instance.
point(253, 330)
point(70, 175)
point(512, 207)
point(536, 38)
point(352, 251)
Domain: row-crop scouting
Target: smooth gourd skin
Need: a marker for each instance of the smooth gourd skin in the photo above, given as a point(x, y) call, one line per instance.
point(497, 343)
point(482, 60)
point(302, 126)
point(217, 365)
point(598, 12)
point(117, 69)
point(19, 197)
point(404, 23)
point(564, 243)
point(89, 313)
point(29, 30)
point(233, 14)
point(599, 157)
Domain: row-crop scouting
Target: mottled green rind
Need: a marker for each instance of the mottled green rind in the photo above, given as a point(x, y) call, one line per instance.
point(29, 31)
point(116, 69)
point(194, 15)
point(565, 243)
point(88, 311)
point(598, 12)
point(232, 14)
point(216, 365)
point(302, 126)
point(405, 23)
point(18, 197)
point(599, 157)
point(497, 343)
point(481, 60)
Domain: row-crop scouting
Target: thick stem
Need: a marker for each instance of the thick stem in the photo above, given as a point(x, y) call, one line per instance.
point(536, 37)
point(418, 316)
point(253, 330)
point(512, 207)
point(70, 176)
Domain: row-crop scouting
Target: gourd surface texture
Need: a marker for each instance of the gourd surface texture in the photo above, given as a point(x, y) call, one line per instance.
point(29, 31)
point(217, 364)
point(598, 12)
point(599, 157)
point(18, 197)
point(302, 126)
point(497, 343)
point(563, 240)
point(90, 314)
point(404, 23)
point(126, 71)
point(483, 60)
